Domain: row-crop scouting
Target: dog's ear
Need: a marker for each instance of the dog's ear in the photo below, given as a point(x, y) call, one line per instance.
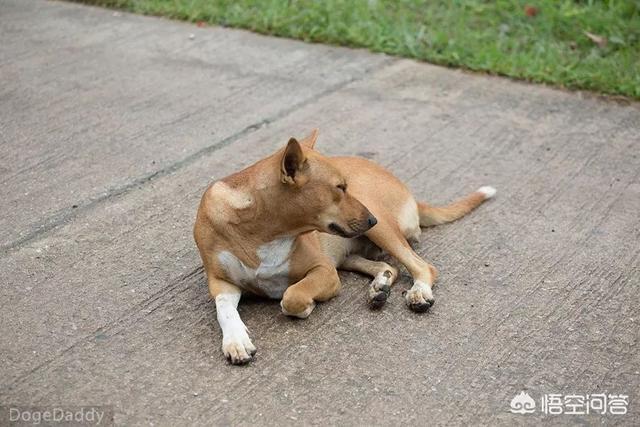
point(310, 140)
point(293, 162)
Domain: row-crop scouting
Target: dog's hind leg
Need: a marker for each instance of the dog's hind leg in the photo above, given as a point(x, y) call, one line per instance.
point(388, 237)
point(383, 277)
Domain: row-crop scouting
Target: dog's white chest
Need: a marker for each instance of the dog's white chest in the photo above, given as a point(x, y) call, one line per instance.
point(272, 275)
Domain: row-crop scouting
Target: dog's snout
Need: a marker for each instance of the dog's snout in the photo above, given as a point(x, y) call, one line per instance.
point(371, 221)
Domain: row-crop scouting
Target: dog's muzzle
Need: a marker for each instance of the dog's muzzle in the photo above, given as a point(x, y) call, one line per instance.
point(356, 227)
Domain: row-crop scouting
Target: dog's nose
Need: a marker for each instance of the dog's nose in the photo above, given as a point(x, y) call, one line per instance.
point(372, 221)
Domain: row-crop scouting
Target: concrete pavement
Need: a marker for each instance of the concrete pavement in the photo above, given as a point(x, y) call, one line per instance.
point(112, 126)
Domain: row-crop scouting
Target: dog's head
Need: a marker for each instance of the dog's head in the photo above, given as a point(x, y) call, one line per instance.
point(318, 193)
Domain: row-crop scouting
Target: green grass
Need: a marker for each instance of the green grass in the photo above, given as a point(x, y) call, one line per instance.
point(490, 36)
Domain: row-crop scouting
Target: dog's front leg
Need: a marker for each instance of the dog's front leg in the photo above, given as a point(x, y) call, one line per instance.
point(320, 284)
point(236, 345)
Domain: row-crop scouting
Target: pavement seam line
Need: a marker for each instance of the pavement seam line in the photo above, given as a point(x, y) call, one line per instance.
point(63, 216)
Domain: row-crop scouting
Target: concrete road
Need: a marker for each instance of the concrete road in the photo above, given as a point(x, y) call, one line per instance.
point(111, 127)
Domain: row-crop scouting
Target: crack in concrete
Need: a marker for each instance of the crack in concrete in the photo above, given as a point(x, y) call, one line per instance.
point(63, 216)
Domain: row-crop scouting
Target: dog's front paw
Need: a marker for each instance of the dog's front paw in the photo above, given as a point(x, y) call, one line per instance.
point(419, 298)
point(296, 305)
point(238, 349)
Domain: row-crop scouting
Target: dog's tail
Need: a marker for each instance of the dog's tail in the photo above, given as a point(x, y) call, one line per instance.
point(435, 215)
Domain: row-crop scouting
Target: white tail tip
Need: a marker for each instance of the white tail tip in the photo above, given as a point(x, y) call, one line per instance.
point(488, 191)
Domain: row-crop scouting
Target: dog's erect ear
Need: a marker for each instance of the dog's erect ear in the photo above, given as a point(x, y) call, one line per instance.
point(310, 140)
point(293, 161)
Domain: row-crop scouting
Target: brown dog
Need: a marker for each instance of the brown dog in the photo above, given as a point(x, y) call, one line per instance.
point(282, 226)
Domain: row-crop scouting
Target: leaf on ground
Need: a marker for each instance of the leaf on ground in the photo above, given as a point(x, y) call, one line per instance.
point(599, 40)
point(530, 11)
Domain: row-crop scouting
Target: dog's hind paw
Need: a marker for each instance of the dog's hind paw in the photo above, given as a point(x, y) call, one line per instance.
point(377, 299)
point(380, 289)
point(419, 298)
